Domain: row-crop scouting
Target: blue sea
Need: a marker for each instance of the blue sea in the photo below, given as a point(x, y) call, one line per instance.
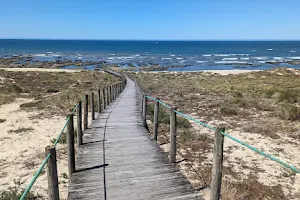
point(186, 55)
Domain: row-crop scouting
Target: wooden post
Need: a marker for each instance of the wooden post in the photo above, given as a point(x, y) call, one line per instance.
point(79, 123)
point(141, 101)
point(173, 123)
point(111, 94)
point(108, 95)
point(103, 99)
point(144, 116)
point(53, 191)
point(99, 100)
point(86, 112)
point(70, 141)
point(93, 105)
point(217, 164)
point(117, 89)
point(155, 119)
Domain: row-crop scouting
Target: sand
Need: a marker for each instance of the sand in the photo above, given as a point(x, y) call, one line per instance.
point(22, 153)
point(227, 72)
point(222, 72)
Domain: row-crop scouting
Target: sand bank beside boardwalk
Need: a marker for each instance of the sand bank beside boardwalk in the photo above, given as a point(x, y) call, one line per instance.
point(33, 107)
point(227, 72)
point(222, 72)
point(40, 70)
point(22, 142)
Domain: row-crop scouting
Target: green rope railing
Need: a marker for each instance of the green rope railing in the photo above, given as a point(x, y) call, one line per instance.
point(230, 137)
point(36, 175)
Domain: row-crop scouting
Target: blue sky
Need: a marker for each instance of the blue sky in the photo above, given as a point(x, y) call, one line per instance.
point(151, 19)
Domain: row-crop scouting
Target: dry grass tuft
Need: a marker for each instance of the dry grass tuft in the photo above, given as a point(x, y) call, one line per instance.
point(21, 130)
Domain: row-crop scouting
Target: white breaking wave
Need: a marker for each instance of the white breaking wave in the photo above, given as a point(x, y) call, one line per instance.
point(39, 55)
point(261, 58)
point(245, 58)
point(293, 51)
point(278, 58)
point(125, 57)
point(294, 58)
point(230, 62)
point(172, 55)
point(200, 61)
point(206, 55)
point(179, 58)
point(222, 55)
point(270, 49)
point(239, 54)
point(57, 55)
point(166, 58)
point(230, 59)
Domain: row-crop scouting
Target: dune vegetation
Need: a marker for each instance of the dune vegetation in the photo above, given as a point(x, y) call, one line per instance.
point(259, 108)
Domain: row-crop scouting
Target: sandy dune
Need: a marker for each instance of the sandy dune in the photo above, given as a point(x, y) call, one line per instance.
point(21, 153)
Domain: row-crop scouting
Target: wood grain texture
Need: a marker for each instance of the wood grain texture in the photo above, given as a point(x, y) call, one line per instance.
point(131, 165)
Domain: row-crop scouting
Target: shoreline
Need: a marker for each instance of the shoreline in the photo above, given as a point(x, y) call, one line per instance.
point(222, 72)
point(217, 71)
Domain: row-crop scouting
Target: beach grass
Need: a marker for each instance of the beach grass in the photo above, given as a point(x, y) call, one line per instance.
point(264, 104)
point(55, 92)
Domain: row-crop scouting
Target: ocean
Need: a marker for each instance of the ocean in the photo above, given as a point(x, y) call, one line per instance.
point(186, 55)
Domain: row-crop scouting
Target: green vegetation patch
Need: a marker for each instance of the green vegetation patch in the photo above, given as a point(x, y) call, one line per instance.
point(54, 92)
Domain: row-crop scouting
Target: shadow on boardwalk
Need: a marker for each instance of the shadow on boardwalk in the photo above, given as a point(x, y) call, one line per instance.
point(119, 161)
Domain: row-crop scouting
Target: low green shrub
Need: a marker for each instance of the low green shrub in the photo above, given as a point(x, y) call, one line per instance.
point(164, 117)
point(14, 193)
point(228, 110)
point(289, 112)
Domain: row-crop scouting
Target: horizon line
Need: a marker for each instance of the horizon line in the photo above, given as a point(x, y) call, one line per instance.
point(166, 40)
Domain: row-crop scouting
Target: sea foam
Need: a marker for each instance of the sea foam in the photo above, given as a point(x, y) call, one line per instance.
point(230, 62)
point(230, 58)
point(294, 58)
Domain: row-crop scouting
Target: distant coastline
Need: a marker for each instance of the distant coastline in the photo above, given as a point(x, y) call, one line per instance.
point(175, 55)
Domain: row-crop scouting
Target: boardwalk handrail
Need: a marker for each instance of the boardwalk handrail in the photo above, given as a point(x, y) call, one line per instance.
point(223, 133)
point(220, 133)
point(115, 90)
point(36, 175)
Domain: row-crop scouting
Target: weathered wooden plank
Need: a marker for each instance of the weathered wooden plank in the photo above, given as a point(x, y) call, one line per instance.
point(134, 166)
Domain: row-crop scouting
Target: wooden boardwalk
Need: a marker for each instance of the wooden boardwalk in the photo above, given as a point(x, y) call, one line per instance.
point(118, 160)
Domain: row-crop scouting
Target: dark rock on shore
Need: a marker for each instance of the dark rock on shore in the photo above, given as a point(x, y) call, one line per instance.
point(28, 62)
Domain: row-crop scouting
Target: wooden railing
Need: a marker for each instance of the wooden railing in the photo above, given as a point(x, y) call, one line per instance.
point(142, 100)
point(220, 133)
point(105, 96)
